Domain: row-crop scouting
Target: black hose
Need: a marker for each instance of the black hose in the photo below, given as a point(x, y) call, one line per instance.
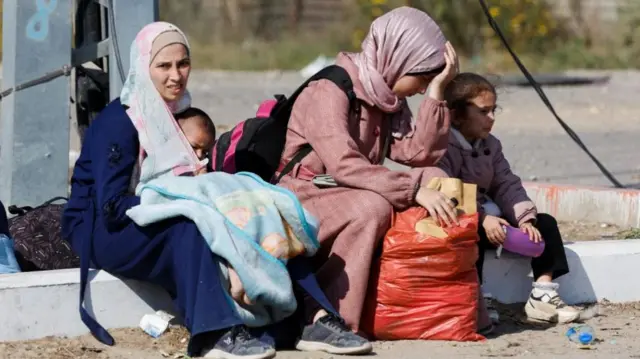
point(114, 39)
point(545, 99)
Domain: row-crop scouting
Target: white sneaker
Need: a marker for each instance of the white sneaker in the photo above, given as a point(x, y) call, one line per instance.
point(547, 306)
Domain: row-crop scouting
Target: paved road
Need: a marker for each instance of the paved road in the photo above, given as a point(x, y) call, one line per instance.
point(606, 117)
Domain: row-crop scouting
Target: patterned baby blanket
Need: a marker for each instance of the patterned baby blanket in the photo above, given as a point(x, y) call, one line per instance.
point(253, 225)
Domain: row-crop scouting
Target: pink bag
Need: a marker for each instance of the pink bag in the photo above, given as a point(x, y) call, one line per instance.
point(265, 108)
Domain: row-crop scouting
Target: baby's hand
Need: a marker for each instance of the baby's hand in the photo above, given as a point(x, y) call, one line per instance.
point(201, 171)
point(237, 289)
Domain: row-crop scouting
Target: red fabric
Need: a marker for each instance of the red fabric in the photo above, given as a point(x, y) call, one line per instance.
point(424, 287)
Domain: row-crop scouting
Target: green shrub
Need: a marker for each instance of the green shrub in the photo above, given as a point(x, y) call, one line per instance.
point(542, 38)
point(628, 34)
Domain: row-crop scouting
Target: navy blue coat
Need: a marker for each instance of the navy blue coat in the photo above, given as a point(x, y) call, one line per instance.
point(4, 222)
point(171, 253)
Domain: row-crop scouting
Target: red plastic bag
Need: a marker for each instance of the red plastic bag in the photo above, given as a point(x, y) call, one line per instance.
point(425, 286)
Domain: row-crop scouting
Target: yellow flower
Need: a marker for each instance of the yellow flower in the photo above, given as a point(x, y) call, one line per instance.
point(494, 11)
point(520, 17)
point(376, 11)
point(516, 22)
point(378, 2)
point(542, 30)
point(515, 25)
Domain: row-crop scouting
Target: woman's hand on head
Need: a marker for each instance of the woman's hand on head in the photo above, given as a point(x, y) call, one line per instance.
point(439, 206)
point(493, 227)
point(451, 69)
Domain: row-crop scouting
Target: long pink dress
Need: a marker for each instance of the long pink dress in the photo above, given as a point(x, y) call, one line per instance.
point(355, 216)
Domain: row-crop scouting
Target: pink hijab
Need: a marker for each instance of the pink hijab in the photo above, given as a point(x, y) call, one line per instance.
point(164, 149)
point(404, 40)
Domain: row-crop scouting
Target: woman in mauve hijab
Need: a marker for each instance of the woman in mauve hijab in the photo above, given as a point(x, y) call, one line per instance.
point(404, 54)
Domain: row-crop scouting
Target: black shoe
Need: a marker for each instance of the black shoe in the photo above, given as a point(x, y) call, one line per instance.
point(238, 343)
point(331, 334)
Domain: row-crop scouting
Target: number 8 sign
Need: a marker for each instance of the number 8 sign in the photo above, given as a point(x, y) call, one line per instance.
point(38, 24)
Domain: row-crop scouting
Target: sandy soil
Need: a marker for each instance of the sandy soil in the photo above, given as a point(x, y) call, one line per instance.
point(617, 330)
point(589, 231)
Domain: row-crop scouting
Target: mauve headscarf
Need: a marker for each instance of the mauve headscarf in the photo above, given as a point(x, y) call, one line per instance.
point(404, 40)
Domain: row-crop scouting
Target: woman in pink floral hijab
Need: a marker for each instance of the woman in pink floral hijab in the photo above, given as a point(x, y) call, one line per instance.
point(404, 54)
point(172, 253)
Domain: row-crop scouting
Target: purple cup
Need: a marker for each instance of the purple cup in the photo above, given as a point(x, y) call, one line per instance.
point(519, 242)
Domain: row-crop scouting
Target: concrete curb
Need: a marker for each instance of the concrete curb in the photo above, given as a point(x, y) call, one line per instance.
point(598, 270)
point(579, 203)
point(39, 304)
point(590, 204)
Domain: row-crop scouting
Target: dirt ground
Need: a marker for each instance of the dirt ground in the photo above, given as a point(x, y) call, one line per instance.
point(589, 231)
point(617, 330)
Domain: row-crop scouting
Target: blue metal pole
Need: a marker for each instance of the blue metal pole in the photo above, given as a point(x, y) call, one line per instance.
point(34, 129)
point(129, 18)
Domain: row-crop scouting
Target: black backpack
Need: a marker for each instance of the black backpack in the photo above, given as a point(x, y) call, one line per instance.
point(256, 144)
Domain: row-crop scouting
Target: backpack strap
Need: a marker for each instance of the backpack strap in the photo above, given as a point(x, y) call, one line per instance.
point(20, 211)
point(54, 199)
point(333, 73)
point(340, 77)
point(304, 151)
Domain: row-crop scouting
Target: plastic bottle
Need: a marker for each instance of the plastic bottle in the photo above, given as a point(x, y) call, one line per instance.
point(581, 334)
point(8, 262)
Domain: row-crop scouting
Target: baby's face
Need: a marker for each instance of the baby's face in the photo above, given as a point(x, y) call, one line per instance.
point(200, 139)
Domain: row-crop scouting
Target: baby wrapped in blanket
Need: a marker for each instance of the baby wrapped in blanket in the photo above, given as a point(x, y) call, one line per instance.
point(254, 226)
point(199, 129)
